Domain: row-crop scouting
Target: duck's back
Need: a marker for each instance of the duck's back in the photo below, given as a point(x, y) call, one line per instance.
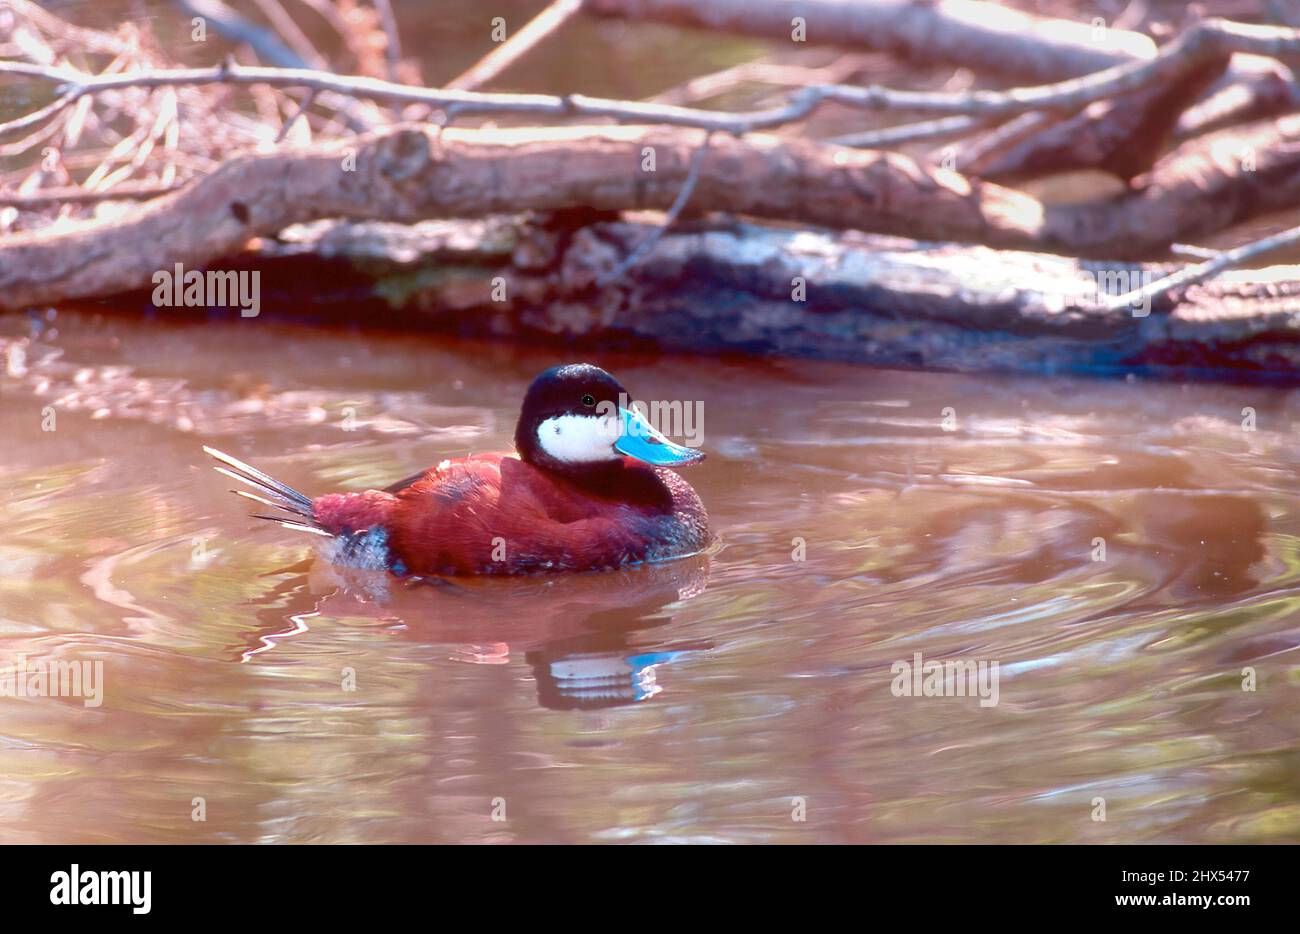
point(496, 514)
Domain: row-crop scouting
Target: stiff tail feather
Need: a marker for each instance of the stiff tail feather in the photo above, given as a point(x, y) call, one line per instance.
point(270, 492)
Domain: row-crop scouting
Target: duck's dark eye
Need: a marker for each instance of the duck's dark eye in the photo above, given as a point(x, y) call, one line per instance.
point(588, 400)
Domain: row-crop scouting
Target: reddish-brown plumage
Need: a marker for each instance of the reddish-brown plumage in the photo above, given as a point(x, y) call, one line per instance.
point(345, 513)
point(496, 514)
point(589, 488)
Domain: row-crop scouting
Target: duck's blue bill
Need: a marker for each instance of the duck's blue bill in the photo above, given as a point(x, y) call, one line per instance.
point(640, 439)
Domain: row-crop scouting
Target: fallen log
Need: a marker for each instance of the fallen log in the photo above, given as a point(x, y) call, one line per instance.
point(408, 174)
point(739, 288)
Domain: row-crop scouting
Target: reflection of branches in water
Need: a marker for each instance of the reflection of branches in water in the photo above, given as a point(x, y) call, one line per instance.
point(37, 366)
point(272, 639)
point(284, 595)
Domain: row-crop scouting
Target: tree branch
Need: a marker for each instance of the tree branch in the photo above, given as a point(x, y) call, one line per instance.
point(410, 173)
point(1202, 42)
point(516, 46)
point(126, 191)
point(674, 212)
point(981, 36)
point(1203, 272)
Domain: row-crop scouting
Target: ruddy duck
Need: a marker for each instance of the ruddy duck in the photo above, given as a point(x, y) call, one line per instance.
point(588, 488)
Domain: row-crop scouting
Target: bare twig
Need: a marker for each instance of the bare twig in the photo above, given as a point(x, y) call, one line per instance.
point(1194, 251)
point(225, 21)
point(18, 147)
point(515, 47)
point(838, 71)
point(268, 47)
point(674, 212)
point(74, 85)
point(1200, 43)
point(890, 136)
point(37, 117)
point(302, 108)
point(1202, 272)
point(88, 39)
point(978, 151)
point(1123, 135)
point(126, 191)
point(393, 42)
point(288, 29)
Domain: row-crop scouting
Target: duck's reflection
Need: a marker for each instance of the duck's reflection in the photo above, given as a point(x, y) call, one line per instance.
point(602, 670)
point(583, 635)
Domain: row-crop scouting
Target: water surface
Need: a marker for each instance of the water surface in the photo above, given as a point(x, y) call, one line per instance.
point(695, 701)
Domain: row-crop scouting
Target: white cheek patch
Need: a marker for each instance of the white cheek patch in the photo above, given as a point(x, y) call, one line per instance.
point(580, 439)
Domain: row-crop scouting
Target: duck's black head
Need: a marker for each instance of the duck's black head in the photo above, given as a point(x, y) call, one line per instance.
point(577, 420)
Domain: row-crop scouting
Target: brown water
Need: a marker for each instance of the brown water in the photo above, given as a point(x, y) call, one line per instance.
point(733, 684)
